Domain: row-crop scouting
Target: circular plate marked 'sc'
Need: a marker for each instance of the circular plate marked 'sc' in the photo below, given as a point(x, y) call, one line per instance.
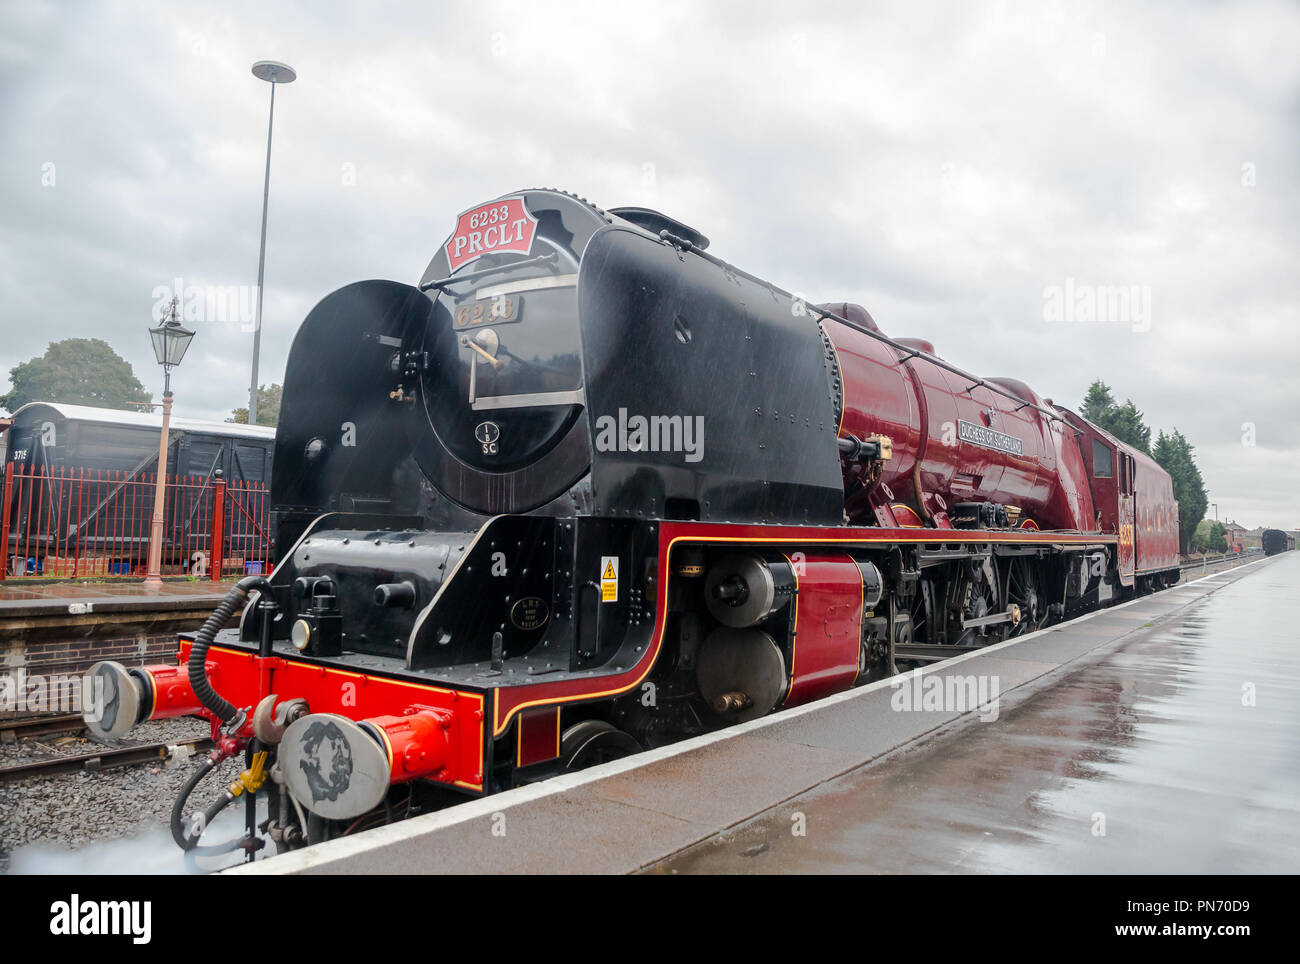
point(111, 704)
point(333, 767)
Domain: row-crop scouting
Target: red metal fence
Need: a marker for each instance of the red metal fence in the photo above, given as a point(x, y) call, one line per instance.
point(95, 524)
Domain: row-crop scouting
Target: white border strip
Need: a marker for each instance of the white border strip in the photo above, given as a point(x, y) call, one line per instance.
point(312, 857)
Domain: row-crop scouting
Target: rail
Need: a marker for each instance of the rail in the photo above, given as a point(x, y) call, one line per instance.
point(1206, 561)
point(27, 727)
point(100, 759)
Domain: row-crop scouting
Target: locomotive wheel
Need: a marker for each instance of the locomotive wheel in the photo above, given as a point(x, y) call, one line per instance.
point(1024, 590)
point(591, 742)
point(922, 608)
point(976, 597)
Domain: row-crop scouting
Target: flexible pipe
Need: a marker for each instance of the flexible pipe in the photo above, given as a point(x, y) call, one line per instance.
point(221, 708)
point(183, 838)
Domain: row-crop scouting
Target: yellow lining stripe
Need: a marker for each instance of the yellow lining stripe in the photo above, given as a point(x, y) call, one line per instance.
point(895, 506)
point(862, 613)
point(794, 631)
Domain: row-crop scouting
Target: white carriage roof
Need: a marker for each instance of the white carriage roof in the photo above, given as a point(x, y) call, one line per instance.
point(113, 416)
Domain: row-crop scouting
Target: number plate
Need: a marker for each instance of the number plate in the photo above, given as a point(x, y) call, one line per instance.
point(500, 310)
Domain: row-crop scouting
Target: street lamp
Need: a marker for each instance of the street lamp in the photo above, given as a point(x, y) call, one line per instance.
point(273, 73)
point(170, 340)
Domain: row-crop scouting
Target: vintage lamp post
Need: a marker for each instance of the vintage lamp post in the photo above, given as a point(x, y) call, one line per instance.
point(170, 340)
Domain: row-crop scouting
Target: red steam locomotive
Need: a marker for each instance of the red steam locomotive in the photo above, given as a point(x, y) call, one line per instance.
point(587, 489)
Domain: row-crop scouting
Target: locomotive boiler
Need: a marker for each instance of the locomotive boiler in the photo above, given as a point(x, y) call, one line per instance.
point(586, 488)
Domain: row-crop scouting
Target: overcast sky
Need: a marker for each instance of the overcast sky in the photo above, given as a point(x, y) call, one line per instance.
point(967, 171)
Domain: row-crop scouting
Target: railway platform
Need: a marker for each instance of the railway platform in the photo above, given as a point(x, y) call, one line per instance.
point(35, 598)
point(60, 628)
point(1159, 736)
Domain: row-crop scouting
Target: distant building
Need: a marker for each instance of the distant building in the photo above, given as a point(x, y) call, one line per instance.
point(1237, 536)
point(1254, 539)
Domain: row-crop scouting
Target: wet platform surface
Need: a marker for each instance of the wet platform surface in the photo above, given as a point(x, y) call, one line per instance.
point(1148, 759)
point(21, 598)
point(1121, 743)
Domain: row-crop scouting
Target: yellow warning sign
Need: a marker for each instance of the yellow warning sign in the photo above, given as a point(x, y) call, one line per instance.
point(608, 579)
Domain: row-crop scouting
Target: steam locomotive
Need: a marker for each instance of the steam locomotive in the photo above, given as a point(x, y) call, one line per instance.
point(587, 489)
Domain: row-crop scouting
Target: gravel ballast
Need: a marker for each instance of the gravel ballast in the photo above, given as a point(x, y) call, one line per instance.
point(114, 821)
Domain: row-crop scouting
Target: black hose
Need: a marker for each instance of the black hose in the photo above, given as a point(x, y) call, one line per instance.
point(182, 837)
point(223, 709)
point(178, 807)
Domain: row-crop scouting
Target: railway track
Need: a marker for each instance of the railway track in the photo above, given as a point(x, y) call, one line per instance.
point(1209, 562)
point(26, 728)
point(102, 758)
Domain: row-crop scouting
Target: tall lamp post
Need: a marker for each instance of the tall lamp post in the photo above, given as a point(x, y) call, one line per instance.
point(170, 340)
point(273, 73)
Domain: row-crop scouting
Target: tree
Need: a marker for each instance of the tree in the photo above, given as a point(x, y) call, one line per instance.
point(1122, 421)
point(78, 371)
point(1175, 456)
point(268, 407)
point(1098, 403)
point(1172, 451)
point(1126, 425)
point(1210, 536)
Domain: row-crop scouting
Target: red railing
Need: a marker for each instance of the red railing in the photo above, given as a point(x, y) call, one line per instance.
point(84, 523)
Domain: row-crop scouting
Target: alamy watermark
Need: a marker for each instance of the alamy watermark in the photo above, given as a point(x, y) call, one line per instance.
point(214, 304)
point(23, 692)
point(1082, 304)
point(125, 918)
point(652, 433)
point(915, 692)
